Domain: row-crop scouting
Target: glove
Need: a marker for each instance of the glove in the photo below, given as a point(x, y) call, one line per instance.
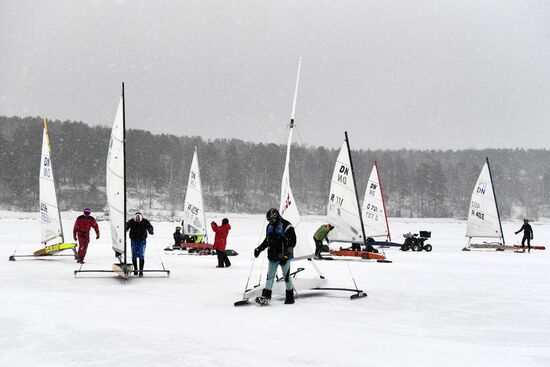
point(516, 232)
point(284, 259)
point(74, 237)
point(257, 252)
point(97, 236)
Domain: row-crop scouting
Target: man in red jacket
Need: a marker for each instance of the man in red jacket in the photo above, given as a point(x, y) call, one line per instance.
point(81, 229)
point(220, 242)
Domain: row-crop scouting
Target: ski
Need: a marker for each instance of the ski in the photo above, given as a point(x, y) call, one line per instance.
point(243, 302)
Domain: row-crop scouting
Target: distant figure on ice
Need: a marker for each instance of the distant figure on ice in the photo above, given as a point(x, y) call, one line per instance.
point(280, 240)
point(178, 237)
point(139, 227)
point(81, 229)
point(220, 241)
point(321, 234)
point(527, 235)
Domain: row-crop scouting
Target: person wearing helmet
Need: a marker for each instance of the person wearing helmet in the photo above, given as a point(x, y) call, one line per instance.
point(527, 235)
point(220, 241)
point(139, 227)
point(81, 230)
point(178, 237)
point(320, 235)
point(279, 241)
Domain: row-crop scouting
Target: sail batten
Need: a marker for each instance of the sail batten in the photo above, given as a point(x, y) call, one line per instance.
point(50, 219)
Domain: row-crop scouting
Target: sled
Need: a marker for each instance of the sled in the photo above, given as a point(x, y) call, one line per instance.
point(532, 247)
point(383, 244)
point(191, 248)
point(362, 254)
point(496, 246)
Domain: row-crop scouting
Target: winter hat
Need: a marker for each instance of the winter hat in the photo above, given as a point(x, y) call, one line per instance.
point(178, 228)
point(330, 226)
point(225, 221)
point(138, 217)
point(87, 211)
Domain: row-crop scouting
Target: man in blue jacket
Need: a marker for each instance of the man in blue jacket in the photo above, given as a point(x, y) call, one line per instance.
point(280, 240)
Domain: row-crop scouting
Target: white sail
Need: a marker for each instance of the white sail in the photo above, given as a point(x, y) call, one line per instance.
point(115, 182)
point(289, 211)
point(49, 211)
point(342, 209)
point(373, 210)
point(193, 209)
point(483, 218)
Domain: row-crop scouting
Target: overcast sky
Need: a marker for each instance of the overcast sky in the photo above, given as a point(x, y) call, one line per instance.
point(395, 74)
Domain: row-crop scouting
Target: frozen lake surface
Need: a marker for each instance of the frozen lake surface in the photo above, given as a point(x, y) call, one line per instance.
point(444, 308)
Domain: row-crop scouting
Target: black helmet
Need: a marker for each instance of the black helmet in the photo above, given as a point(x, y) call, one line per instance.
point(225, 221)
point(272, 215)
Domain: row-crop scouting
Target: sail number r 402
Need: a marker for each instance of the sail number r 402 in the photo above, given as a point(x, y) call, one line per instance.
point(480, 215)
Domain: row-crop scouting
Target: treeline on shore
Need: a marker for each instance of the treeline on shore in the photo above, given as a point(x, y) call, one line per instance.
point(239, 176)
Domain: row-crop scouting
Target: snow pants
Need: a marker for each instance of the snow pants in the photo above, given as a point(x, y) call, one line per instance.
point(528, 239)
point(138, 249)
point(223, 260)
point(272, 271)
point(318, 247)
point(83, 242)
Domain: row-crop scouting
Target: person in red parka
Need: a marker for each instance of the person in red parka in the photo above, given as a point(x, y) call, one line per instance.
point(220, 242)
point(81, 229)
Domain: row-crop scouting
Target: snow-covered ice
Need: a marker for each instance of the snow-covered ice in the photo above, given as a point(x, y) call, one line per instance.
point(444, 308)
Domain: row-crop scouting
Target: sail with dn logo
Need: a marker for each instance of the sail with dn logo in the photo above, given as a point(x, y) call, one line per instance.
point(193, 208)
point(343, 209)
point(483, 215)
point(374, 208)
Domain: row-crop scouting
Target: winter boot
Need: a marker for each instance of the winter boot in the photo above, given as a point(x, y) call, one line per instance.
point(289, 297)
point(141, 263)
point(264, 298)
point(134, 263)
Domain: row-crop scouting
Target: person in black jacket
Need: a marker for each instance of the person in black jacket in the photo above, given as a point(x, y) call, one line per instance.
point(178, 237)
point(139, 227)
point(280, 240)
point(527, 235)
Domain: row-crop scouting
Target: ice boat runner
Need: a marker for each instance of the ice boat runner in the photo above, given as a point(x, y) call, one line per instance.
point(483, 215)
point(194, 217)
point(304, 249)
point(115, 188)
point(344, 212)
point(50, 217)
